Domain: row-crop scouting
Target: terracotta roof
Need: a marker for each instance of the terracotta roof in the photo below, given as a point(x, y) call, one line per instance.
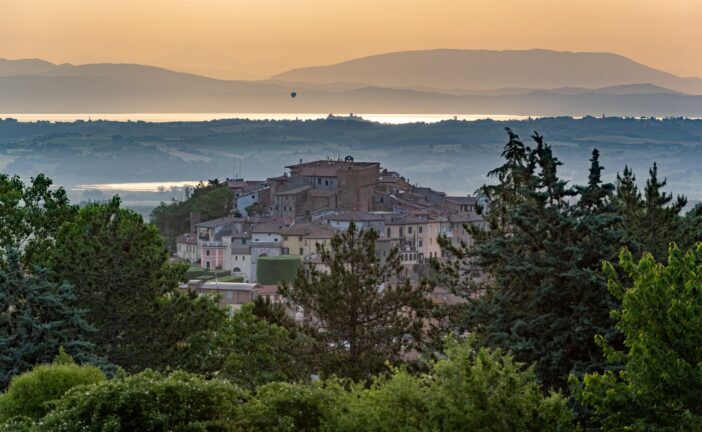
point(267, 289)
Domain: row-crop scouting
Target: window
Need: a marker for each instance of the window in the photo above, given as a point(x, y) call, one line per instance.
point(420, 230)
point(243, 241)
point(243, 257)
point(301, 253)
point(389, 232)
point(409, 230)
point(236, 257)
point(207, 264)
point(230, 294)
point(402, 231)
point(326, 182)
point(207, 252)
point(420, 242)
point(319, 180)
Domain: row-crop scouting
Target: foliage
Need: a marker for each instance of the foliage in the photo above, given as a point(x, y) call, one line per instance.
point(661, 320)
point(286, 407)
point(212, 200)
point(653, 220)
point(30, 215)
point(361, 319)
point(148, 402)
point(275, 270)
point(247, 350)
point(119, 268)
point(259, 208)
point(532, 282)
point(33, 394)
point(485, 390)
point(36, 318)
point(469, 389)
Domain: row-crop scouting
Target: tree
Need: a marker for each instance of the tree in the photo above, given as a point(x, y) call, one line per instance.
point(653, 220)
point(36, 318)
point(148, 402)
point(362, 312)
point(30, 215)
point(533, 286)
point(32, 394)
point(246, 350)
point(211, 201)
point(259, 208)
point(657, 385)
point(119, 268)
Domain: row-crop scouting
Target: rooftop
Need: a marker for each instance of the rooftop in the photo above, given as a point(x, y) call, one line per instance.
point(294, 190)
point(353, 215)
point(328, 168)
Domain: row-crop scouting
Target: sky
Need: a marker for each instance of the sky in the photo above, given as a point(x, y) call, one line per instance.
point(258, 38)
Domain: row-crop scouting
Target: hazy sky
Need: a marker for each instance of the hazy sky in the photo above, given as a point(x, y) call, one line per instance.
point(229, 37)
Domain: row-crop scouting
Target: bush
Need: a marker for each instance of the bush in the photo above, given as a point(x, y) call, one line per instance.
point(148, 402)
point(485, 390)
point(34, 393)
point(282, 407)
point(397, 403)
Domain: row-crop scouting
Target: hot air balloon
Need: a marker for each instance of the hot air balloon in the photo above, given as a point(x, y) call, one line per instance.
point(293, 94)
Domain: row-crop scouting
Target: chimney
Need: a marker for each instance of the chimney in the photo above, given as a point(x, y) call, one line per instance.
point(194, 220)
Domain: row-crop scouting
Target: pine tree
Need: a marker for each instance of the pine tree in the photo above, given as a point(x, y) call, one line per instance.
point(363, 313)
point(652, 221)
point(513, 180)
point(37, 319)
point(539, 292)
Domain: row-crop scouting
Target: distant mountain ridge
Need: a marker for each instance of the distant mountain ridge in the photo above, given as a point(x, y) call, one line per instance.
point(487, 70)
point(37, 86)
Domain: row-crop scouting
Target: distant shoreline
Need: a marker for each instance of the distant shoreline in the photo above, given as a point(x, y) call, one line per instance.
point(389, 118)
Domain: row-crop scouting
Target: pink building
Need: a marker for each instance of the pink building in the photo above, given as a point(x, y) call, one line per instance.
point(212, 255)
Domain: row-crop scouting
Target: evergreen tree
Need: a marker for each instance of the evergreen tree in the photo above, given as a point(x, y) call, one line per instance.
point(535, 288)
point(119, 267)
point(37, 317)
point(513, 178)
point(652, 221)
point(363, 312)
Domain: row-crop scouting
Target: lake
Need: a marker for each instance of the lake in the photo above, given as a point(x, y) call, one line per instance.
point(197, 117)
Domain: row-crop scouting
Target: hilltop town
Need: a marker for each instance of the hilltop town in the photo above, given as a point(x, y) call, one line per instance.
point(277, 224)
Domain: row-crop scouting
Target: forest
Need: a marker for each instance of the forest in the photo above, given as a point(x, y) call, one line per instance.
point(582, 311)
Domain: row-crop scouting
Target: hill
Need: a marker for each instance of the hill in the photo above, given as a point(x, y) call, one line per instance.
point(486, 70)
point(36, 86)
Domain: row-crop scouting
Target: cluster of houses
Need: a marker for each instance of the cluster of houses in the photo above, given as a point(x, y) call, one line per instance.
point(292, 214)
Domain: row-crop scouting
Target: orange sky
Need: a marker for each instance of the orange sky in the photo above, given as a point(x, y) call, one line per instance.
point(236, 38)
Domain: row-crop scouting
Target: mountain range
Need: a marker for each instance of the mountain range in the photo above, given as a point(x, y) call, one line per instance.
point(532, 82)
